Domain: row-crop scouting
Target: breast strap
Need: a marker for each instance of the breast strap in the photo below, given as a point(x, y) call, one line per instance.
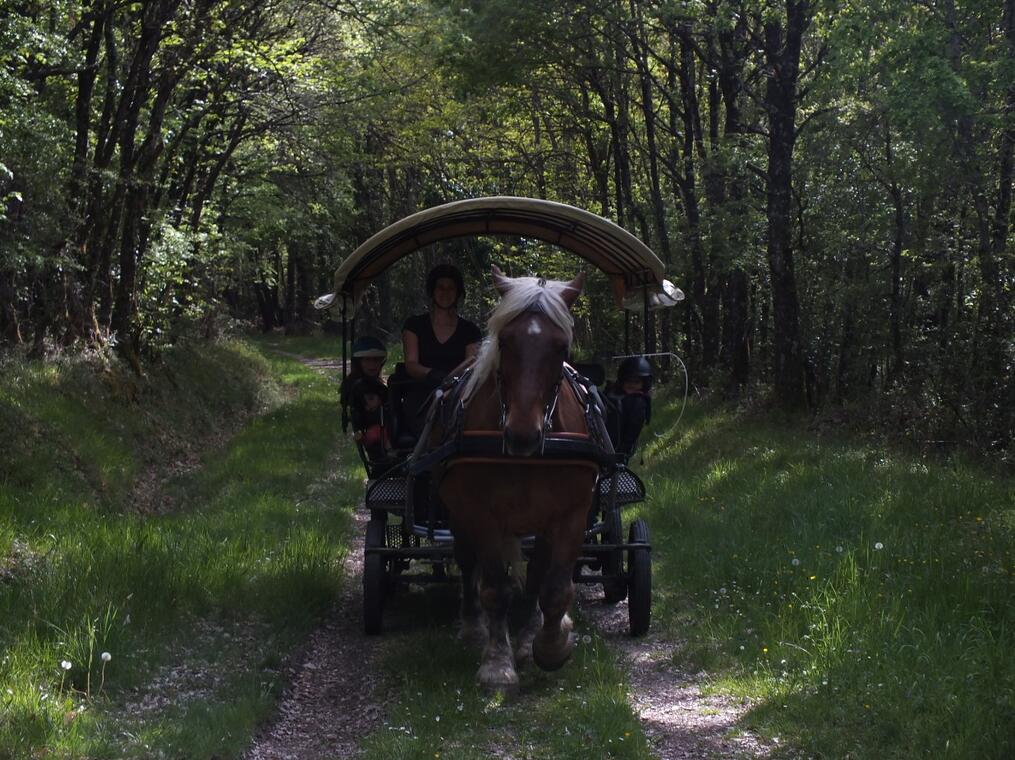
point(449, 409)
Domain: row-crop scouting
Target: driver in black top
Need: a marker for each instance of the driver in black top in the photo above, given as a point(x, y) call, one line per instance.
point(438, 341)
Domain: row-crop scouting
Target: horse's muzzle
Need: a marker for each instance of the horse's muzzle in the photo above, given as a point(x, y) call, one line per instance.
point(519, 444)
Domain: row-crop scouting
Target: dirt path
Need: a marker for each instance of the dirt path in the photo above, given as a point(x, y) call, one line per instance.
point(333, 698)
point(679, 721)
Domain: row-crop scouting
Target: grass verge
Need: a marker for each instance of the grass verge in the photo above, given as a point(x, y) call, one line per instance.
point(196, 606)
point(865, 599)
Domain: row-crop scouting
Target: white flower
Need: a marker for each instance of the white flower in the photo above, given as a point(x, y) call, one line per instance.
point(106, 656)
point(65, 664)
point(838, 549)
point(586, 639)
point(795, 561)
point(879, 546)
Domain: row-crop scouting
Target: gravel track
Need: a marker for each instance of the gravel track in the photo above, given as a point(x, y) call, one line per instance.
point(333, 699)
point(678, 719)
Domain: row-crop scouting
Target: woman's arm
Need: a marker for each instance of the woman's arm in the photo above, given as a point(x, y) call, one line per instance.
point(410, 346)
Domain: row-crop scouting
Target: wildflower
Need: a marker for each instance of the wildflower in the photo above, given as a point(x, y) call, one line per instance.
point(795, 562)
point(586, 639)
point(106, 656)
point(813, 577)
point(838, 549)
point(879, 546)
point(65, 664)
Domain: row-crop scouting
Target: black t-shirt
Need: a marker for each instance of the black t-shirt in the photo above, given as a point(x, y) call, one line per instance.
point(442, 356)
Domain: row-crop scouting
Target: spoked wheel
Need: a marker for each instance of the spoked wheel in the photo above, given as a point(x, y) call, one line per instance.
point(614, 581)
point(375, 573)
point(639, 579)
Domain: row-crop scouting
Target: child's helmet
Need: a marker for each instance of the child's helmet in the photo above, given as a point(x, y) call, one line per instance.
point(366, 346)
point(635, 367)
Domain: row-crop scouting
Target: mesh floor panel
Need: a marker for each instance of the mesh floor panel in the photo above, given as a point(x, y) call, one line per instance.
point(630, 489)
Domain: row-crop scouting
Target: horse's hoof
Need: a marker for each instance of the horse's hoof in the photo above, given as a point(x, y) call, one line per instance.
point(552, 655)
point(497, 677)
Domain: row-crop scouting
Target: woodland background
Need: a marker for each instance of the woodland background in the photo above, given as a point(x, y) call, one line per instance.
point(829, 182)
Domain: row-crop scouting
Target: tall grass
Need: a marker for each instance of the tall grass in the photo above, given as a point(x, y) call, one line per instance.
point(864, 598)
point(252, 542)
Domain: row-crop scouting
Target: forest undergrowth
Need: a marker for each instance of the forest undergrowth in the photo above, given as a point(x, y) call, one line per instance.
point(863, 596)
point(860, 597)
point(133, 633)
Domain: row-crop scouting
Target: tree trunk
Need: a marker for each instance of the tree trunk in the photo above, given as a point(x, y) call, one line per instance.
point(782, 53)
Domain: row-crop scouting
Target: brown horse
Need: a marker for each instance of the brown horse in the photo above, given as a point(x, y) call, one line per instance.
point(517, 395)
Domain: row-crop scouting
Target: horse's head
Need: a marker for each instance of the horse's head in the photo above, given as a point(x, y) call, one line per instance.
point(532, 340)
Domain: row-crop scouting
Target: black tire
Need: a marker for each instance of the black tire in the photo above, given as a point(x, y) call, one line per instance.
point(614, 580)
point(639, 580)
point(374, 577)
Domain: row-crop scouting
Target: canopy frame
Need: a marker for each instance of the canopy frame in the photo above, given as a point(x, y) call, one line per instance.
point(628, 263)
point(634, 271)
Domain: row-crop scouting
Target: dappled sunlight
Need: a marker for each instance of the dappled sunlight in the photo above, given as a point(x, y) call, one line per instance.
point(254, 531)
point(813, 573)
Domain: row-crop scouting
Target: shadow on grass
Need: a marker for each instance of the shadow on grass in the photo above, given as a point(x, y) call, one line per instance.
point(863, 598)
point(259, 535)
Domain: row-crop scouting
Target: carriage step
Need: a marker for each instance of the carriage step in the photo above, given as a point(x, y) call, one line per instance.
point(630, 489)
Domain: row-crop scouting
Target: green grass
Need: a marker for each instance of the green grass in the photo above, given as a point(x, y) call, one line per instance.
point(223, 583)
point(864, 598)
point(439, 712)
point(325, 347)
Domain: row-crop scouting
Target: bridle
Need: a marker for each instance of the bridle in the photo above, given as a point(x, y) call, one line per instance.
point(548, 410)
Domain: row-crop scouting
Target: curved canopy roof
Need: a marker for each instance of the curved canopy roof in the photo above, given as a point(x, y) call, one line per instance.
point(628, 262)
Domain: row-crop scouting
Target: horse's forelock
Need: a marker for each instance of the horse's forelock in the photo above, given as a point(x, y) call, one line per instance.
point(525, 294)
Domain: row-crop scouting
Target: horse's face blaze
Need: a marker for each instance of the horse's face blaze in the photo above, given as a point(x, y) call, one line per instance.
point(532, 355)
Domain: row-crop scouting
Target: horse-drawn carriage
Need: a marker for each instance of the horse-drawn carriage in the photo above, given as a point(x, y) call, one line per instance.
point(515, 459)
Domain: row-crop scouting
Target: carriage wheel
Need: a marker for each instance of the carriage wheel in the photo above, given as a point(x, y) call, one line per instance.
point(374, 576)
point(639, 575)
point(614, 581)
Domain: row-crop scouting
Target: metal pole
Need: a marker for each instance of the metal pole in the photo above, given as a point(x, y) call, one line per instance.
point(644, 318)
point(627, 331)
point(345, 338)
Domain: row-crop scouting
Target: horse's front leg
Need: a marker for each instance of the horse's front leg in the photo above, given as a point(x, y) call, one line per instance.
point(497, 669)
point(535, 574)
point(473, 627)
point(554, 642)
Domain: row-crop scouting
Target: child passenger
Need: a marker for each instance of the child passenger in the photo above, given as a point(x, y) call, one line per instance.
point(368, 417)
point(630, 402)
point(368, 355)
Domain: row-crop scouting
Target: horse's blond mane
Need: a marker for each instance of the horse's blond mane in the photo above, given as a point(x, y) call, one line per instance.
point(525, 294)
